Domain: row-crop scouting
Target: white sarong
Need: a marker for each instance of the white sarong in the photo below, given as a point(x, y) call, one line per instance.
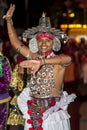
point(53, 118)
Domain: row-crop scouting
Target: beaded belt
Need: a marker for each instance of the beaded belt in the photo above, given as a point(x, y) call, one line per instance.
point(36, 108)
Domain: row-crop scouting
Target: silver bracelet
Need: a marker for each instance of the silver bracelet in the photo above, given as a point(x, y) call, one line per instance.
point(10, 21)
point(19, 47)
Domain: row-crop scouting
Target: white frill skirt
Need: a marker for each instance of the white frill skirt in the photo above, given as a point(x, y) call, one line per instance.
point(53, 118)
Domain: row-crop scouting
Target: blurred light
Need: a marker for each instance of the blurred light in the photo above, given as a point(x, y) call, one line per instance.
point(65, 26)
point(72, 15)
point(84, 26)
point(64, 14)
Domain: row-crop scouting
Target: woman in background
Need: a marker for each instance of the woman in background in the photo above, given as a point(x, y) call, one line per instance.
point(5, 76)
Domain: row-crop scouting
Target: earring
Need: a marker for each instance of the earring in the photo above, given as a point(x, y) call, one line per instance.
point(56, 44)
point(33, 45)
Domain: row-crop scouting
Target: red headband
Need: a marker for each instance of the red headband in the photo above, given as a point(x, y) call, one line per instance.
point(44, 35)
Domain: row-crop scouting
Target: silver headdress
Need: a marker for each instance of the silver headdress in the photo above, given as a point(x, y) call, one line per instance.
point(44, 26)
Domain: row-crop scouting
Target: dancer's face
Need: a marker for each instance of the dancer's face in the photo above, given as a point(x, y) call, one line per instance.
point(44, 44)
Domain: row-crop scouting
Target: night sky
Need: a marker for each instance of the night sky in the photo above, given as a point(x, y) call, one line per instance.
point(35, 10)
point(53, 8)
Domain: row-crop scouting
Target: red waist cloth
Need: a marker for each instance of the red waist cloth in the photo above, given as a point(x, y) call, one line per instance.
point(36, 108)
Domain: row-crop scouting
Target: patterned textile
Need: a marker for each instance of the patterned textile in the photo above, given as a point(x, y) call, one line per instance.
point(3, 115)
point(16, 85)
point(37, 106)
point(5, 76)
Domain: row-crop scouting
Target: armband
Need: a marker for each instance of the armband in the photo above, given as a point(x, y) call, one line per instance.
point(19, 47)
point(10, 21)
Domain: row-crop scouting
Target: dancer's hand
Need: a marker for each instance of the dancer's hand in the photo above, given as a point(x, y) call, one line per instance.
point(34, 65)
point(9, 14)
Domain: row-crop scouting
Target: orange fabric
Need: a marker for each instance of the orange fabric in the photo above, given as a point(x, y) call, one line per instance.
point(69, 74)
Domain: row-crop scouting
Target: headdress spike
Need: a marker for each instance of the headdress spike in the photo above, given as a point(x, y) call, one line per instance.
point(44, 14)
point(44, 21)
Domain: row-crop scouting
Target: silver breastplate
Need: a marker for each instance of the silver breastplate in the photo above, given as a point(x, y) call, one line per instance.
point(43, 82)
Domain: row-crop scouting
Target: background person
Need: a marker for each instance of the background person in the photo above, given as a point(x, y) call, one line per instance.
point(5, 76)
point(18, 82)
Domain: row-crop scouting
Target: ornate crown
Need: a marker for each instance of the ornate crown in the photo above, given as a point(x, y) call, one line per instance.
point(45, 26)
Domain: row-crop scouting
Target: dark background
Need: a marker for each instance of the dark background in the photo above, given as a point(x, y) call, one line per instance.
point(54, 9)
